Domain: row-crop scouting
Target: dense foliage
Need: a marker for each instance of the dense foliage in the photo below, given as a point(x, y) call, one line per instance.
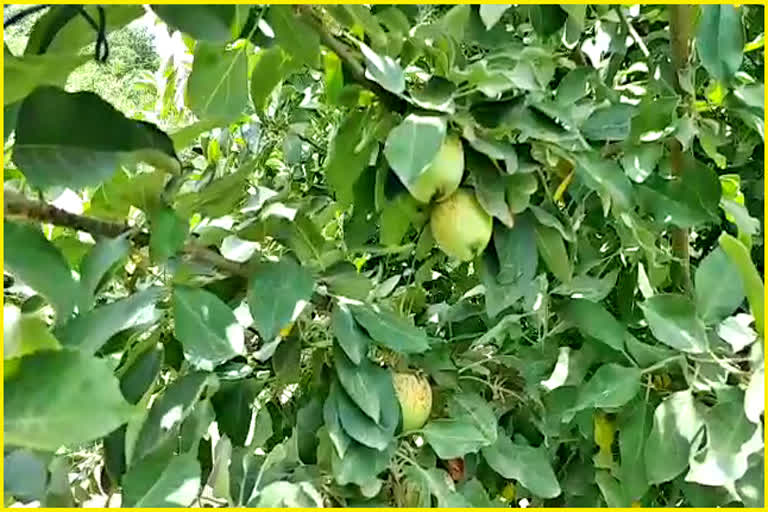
point(462, 256)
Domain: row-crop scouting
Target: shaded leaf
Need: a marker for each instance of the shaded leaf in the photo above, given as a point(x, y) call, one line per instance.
point(206, 327)
point(162, 481)
point(720, 40)
point(390, 329)
point(217, 87)
point(528, 465)
point(718, 286)
point(63, 397)
point(168, 412)
point(90, 154)
point(413, 144)
point(29, 256)
point(91, 330)
point(673, 321)
point(277, 291)
point(675, 423)
point(611, 386)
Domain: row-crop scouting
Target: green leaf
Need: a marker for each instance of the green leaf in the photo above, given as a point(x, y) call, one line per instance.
point(528, 465)
point(336, 433)
point(490, 187)
point(214, 23)
point(516, 250)
point(22, 75)
point(546, 19)
point(25, 334)
point(689, 201)
point(263, 428)
point(90, 331)
point(604, 176)
point(34, 260)
point(286, 360)
point(591, 288)
point(347, 156)
point(96, 265)
point(288, 495)
point(359, 382)
point(413, 144)
point(753, 284)
point(441, 485)
point(26, 475)
point(384, 70)
point(611, 386)
point(168, 234)
point(731, 439)
point(719, 290)
point(611, 489)
point(574, 85)
point(334, 78)
point(294, 35)
point(673, 321)
point(270, 67)
point(113, 199)
point(163, 482)
point(675, 423)
point(751, 487)
point(277, 292)
point(233, 404)
point(58, 398)
point(390, 329)
point(609, 123)
point(720, 40)
point(640, 161)
point(360, 464)
point(219, 198)
point(349, 335)
point(141, 373)
point(472, 425)
point(206, 327)
point(90, 154)
point(492, 13)
point(552, 250)
point(634, 427)
point(451, 438)
point(362, 15)
point(217, 87)
point(363, 429)
point(168, 412)
point(594, 321)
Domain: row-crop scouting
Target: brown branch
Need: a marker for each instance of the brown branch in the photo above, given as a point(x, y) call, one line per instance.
point(19, 207)
point(345, 53)
point(680, 27)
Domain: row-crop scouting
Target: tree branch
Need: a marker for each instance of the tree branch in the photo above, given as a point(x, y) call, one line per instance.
point(19, 207)
point(680, 28)
point(355, 69)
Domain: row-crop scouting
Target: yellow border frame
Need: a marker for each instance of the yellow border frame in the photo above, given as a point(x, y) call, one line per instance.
point(401, 2)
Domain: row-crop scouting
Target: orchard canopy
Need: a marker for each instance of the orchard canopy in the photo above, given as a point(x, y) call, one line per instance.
point(374, 256)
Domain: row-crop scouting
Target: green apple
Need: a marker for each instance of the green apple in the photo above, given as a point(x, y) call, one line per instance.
point(443, 176)
point(460, 226)
point(415, 397)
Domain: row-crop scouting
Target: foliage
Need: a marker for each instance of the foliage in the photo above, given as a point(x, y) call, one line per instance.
point(217, 318)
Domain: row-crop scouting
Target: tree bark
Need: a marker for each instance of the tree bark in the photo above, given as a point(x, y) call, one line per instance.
point(680, 27)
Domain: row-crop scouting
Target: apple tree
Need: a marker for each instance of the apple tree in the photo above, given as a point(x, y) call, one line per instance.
point(348, 255)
